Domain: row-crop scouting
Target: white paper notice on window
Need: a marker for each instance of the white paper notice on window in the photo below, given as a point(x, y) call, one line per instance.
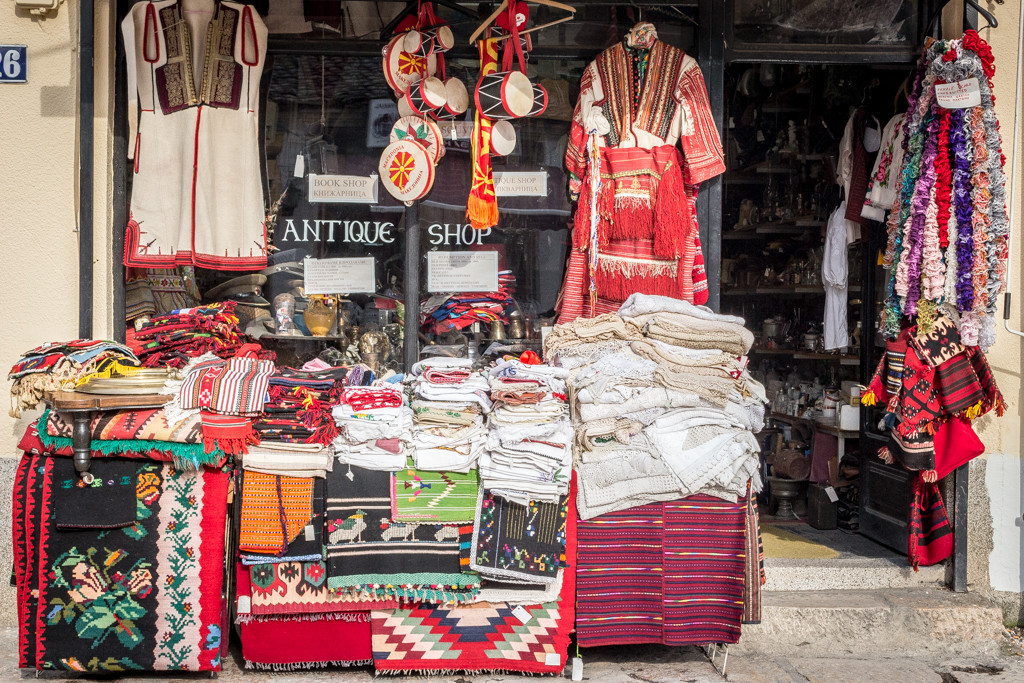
point(340, 275)
point(462, 271)
point(516, 184)
point(342, 189)
point(958, 95)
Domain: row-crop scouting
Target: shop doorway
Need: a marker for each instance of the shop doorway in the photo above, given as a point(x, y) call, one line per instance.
point(827, 497)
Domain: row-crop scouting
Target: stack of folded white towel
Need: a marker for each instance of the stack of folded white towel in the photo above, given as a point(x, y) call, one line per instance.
point(450, 402)
point(529, 440)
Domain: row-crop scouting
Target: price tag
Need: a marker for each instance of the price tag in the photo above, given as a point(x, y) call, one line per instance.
point(244, 604)
point(300, 166)
point(959, 95)
point(522, 615)
point(831, 493)
point(13, 64)
point(552, 659)
point(310, 532)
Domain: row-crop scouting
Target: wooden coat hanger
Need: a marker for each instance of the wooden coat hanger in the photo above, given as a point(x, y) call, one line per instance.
point(413, 6)
point(504, 6)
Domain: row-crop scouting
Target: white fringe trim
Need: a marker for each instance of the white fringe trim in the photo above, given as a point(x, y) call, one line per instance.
point(312, 616)
point(298, 666)
point(631, 267)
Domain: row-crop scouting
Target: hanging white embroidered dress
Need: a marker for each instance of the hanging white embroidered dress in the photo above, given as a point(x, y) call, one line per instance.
point(194, 70)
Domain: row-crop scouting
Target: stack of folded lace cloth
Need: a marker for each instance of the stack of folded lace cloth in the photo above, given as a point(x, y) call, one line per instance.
point(450, 402)
point(529, 438)
point(374, 426)
point(664, 407)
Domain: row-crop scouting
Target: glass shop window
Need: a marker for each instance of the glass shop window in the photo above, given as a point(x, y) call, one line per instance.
point(884, 23)
point(327, 113)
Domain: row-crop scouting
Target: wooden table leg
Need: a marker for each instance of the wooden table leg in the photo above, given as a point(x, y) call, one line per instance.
point(81, 441)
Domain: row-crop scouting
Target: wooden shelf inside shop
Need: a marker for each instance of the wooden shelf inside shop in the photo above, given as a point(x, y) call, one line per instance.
point(801, 354)
point(826, 429)
point(789, 289)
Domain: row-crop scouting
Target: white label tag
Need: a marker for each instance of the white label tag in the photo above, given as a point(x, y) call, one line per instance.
point(577, 668)
point(310, 532)
point(552, 659)
point(522, 615)
point(959, 95)
point(300, 166)
point(831, 493)
point(244, 604)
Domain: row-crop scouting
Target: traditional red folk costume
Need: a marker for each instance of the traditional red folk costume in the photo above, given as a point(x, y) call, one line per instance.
point(194, 70)
point(636, 227)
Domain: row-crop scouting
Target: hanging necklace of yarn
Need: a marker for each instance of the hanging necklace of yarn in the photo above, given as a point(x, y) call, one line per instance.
point(947, 230)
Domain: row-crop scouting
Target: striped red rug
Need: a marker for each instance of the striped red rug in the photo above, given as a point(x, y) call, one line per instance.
point(668, 573)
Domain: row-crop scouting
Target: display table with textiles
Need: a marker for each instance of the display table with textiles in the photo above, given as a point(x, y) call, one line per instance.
point(460, 518)
point(84, 407)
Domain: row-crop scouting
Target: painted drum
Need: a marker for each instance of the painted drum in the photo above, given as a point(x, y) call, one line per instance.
point(503, 138)
point(404, 109)
point(540, 100)
point(456, 99)
point(504, 95)
point(406, 170)
point(427, 96)
point(418, 43)
point(444, 39)
point(422, 130)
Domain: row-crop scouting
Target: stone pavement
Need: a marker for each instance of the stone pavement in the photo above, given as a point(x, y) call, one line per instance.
point(647, 664)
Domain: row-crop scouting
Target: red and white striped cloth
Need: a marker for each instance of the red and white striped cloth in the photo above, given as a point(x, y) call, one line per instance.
point(236, 387)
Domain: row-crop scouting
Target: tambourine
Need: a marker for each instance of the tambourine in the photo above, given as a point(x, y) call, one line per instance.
point(426, 97)
point(402, 69)
point(406, 170)
point(504, 95)
point(422, 130)
point(503, 138)
point(456, 100)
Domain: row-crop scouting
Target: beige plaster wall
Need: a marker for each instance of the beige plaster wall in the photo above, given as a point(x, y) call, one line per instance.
point(39, 185)
point(996, 530)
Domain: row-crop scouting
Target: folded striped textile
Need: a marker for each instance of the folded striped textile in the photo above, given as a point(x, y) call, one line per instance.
point(291, 460)
point(447, 376)
point(670, 573)
point(236, 387)
point(145, 597)
point(275, 510)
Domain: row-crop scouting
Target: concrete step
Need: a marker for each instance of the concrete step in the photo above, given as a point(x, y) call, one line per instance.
point(848, 573)
point(908, 622)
